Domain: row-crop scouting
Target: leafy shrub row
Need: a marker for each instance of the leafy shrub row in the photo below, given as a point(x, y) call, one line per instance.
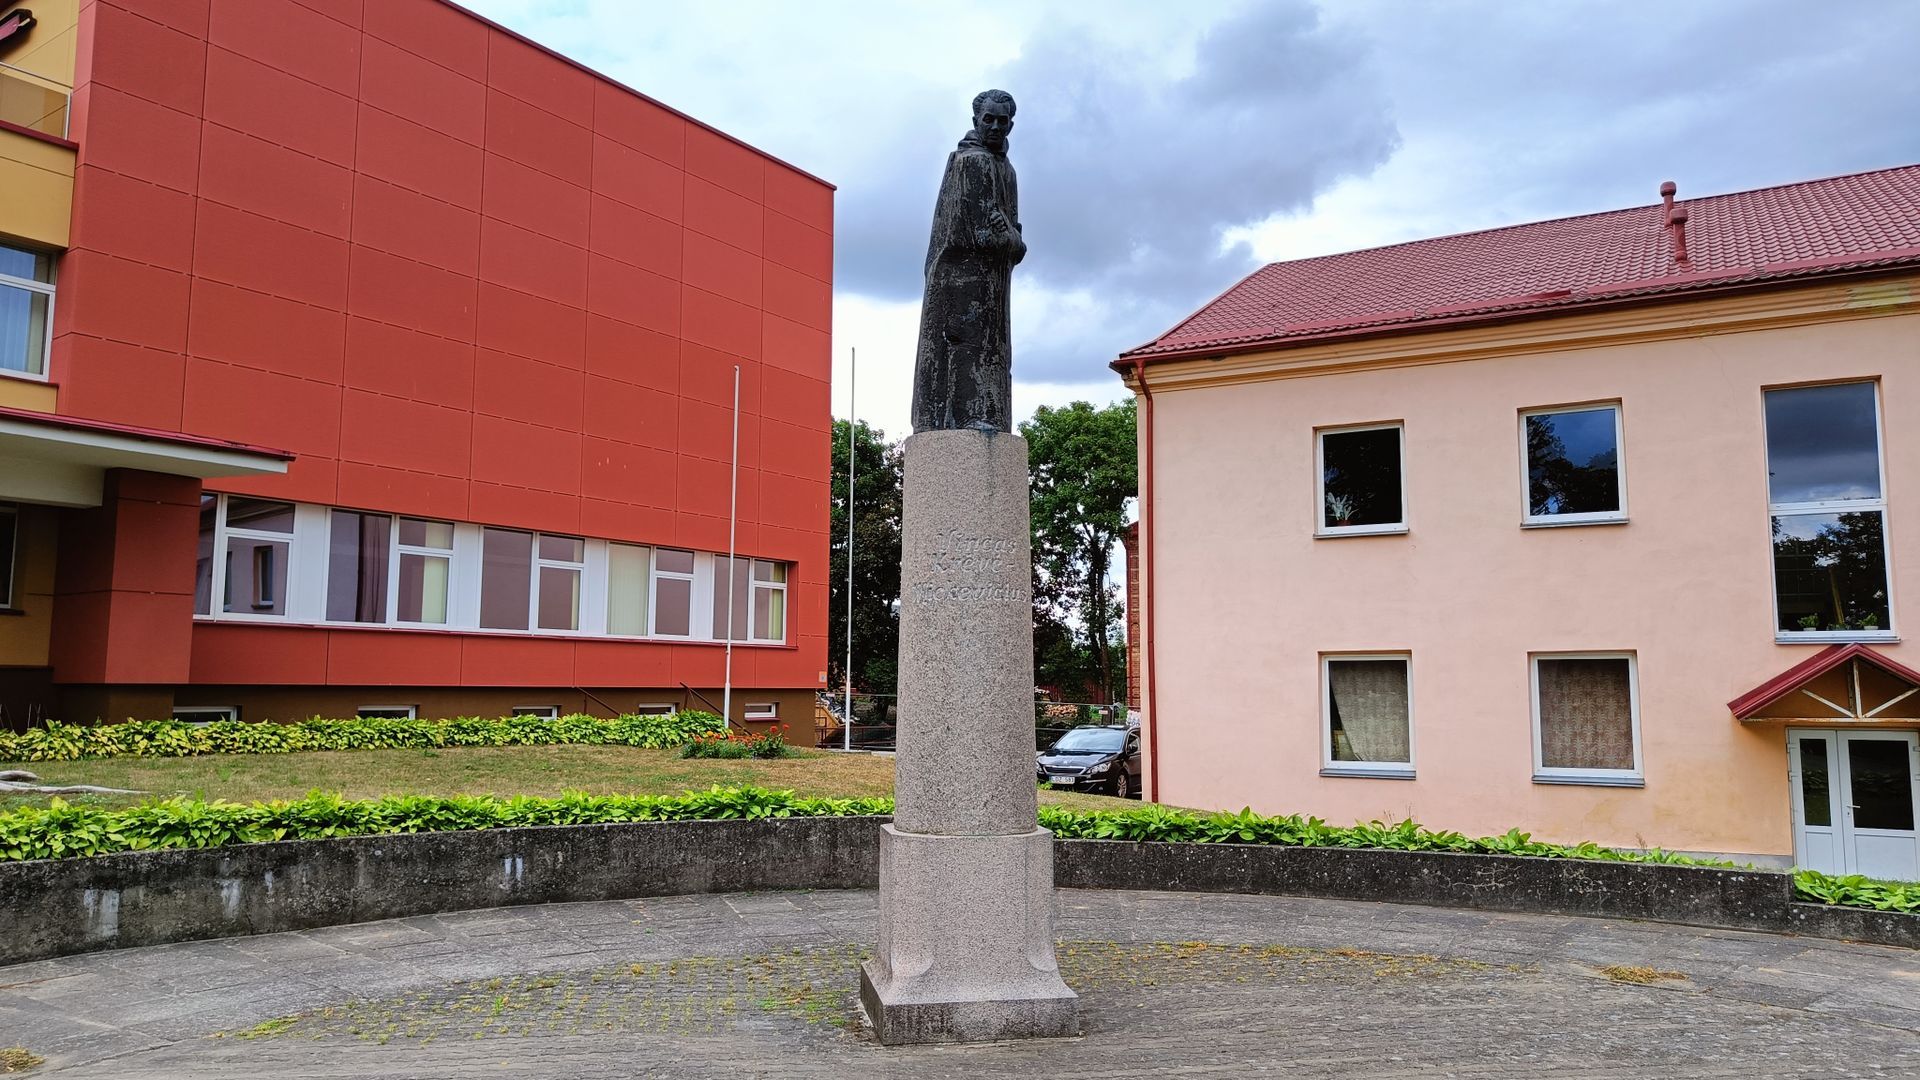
point(62, 830)
point(175, 738)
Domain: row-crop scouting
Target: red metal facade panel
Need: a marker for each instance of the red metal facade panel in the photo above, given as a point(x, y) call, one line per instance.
point(459, 277)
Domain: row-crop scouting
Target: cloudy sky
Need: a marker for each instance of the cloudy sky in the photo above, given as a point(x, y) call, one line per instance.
point(1166, 150)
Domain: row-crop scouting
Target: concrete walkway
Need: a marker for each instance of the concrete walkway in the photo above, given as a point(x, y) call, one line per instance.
point(1172, 984)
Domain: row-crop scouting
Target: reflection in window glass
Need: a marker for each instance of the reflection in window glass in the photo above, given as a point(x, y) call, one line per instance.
point(559, 598)
point(256, 578)
point(1823, 444)
point(673, 592)
point(23, 330)
point(735, 590)
point(627, 568)
point(1369, 716)
point(1814, 798)
point(1360, 478)
point(1830, 571)
point(506, 579)
point(1573, 462)
point(1586, 713)
point(259, 515)
point(357, 567)
point(415, 532)
point(1880, 779)
point(203, 559)
point(422, 593)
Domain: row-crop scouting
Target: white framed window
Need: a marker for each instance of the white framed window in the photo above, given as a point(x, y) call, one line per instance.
point(628, 569)
point(753, 600)
point(1827, 512)
point(1361, 485)
point(1571, 465)
point(506, 579)
point(387, 712)
point(201, 715)
point(422, 572)
point(672, 601)
point(763, 711)
point(26, 312)
point(1366, 714)
point(655, 710)
point(9, 552)
point(1586, 719)
point(543, 712)
point(359, 566)
point(560, 569)
point(255, 538)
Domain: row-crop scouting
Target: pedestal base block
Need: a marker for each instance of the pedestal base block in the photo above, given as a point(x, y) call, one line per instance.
point(966, 941)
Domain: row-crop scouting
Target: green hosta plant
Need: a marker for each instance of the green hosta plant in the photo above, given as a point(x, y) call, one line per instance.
point(174, 738)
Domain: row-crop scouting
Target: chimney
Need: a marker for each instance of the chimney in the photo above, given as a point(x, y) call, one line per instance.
point(1676, 222)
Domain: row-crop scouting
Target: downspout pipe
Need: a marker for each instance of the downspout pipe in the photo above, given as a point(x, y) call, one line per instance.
point(1152, 719)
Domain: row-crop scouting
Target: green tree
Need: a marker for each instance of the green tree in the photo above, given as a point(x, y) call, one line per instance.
point(1084, 473)
point(876, 561)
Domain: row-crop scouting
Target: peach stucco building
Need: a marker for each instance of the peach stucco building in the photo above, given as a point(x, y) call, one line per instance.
point(1607, 528)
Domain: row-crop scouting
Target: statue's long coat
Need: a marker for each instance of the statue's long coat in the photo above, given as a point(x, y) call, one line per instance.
point(963, 373)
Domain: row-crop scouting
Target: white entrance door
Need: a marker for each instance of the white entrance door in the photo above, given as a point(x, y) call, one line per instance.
point(1856, 795)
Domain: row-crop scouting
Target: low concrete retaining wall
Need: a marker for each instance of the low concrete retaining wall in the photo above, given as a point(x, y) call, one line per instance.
point(63, 906)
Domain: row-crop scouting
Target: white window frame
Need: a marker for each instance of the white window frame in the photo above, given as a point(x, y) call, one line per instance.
point(755, 586)
point(1833, 506)
point(765, 710)
point(209, 713)
point(222, 532)
point(11, 570)
point(1320, 527)
point(363, 712)
point(642, 709)
point(692, 578)
point(580, 623)
point(1530, 520)
point(1384, 770)
point(396, 549)
point(1634, 777)
point(541, 712)
point(48, 290)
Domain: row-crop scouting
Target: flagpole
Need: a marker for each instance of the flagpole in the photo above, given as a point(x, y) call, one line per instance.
point(853, 376)
point(733, 518)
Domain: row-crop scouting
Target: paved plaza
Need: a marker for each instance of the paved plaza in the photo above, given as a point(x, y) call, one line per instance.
point(1171, 983)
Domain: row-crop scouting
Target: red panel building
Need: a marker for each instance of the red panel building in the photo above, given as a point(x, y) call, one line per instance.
point(460, 320)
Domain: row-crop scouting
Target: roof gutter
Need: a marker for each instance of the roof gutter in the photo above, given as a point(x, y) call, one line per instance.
point(1151, 721)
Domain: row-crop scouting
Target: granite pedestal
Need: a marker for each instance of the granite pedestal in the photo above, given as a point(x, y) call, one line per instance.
point(966, 949)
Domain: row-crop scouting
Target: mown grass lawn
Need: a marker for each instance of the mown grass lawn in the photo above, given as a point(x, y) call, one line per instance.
point(502, 770)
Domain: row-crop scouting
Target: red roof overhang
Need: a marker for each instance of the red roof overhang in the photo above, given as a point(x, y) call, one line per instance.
point(1810, 669)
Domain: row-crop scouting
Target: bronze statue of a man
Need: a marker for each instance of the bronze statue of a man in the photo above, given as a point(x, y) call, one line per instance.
point(963, 373)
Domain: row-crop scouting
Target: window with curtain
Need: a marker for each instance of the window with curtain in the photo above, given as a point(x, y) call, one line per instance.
point(562, 568)
point(358, 555)
point(1586, 719)
point(673, 593)
point(1827, 511)
point(756, 595)
point(425, 550)
point(1369, 715)
point(628, 567)
point(259, 542)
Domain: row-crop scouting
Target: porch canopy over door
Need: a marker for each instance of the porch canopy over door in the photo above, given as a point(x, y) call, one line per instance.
point(1843, 684)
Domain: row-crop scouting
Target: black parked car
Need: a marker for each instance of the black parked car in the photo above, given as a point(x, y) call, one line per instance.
point(1095, 759)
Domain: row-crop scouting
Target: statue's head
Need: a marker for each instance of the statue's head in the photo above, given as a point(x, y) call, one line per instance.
point(993, 119)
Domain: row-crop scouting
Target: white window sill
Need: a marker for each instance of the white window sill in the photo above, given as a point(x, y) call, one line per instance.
point(1590, 780)
point(1359, 530)
point(1367, 772)
point(1829, 637)
point(237, 619)
point(24, 376)
point(1571, 522)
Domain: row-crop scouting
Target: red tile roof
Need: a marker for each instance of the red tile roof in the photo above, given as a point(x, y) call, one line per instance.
point(1866, 221)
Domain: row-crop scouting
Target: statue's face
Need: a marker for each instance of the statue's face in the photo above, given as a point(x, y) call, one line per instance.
point(993, 123)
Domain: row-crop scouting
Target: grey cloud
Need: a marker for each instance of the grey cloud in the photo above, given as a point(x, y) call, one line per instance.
point(1130, 174)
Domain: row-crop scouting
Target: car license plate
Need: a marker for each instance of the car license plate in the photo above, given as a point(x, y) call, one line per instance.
point(1057, 778)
